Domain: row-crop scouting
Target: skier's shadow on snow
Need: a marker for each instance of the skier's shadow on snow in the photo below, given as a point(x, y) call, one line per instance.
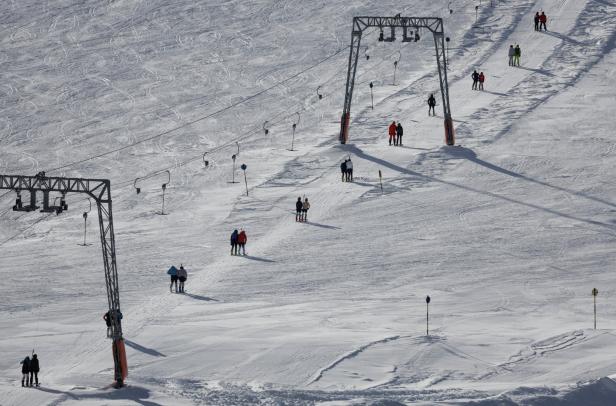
point(145, 350)
point(134, 393)
point(539, 71)
point(470, 155)
point(257, 258)
point(199, 297)
point(312, 223)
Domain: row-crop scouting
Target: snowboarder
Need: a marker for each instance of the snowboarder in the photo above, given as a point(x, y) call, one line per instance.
point(392, 133)
point(537, 18)
point(343, 170)
point(34, 369)
point(242, 238)
point(107, 318)
point(511, 54)
point(475, 77)
point(25, 370)
point(543, 19)
point(305, 208)
point(299, 205)
point(173, 272)
point(182, 276)
point(349, 170)
point(399, 133)
point(482, 79)
point(234, 235)
point(431, 104)
point(516, 56)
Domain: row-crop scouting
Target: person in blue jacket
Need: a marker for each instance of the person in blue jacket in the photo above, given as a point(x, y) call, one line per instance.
point(234, 247)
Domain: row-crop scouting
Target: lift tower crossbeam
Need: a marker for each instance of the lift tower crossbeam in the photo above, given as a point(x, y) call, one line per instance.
point(434, 25)
point(100, 191)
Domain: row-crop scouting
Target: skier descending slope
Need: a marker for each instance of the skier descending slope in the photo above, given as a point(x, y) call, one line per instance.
point(234, 247)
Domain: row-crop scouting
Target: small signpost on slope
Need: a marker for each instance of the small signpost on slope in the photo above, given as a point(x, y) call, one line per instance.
point(381, 180)
point(245, 181)
point(427, 315)
point(595, 292)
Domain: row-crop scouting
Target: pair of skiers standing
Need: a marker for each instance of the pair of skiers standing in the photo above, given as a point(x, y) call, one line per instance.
point(514, 55)
point(238, 242)
point(177, 275)
point(395, 133)
point(346, 169)
point(478, 79)
point(29, 371)
point(301, 209)
point(541, 21)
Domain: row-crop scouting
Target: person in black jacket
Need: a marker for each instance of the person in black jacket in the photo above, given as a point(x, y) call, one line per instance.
point(475, 77)
point(431, 104)
point(343, 170)
point(399, 134)
point(34, 369)
point(25, 370)
point(299, 205)
point(537, 21)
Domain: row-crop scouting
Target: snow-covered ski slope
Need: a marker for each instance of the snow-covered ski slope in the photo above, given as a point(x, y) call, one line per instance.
point(508, 231)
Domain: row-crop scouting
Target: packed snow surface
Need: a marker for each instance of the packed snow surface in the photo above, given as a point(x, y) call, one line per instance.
point(507, 232)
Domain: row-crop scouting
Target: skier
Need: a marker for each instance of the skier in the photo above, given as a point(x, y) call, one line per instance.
point(182, 276)
point(517, 55)
point(25, 370)
point(392, 132)
point(234, 235)
point(173, 272)
point(349, 170)
point(343, 170)
point(537, 18)
point(400, 133)
point(482, 79)
point(107, 319)
point(305, 208)
point(242, 238)
point(475, 77)
point(511, 55)
point(431, 104)
point(543, 19)
point(34, 369)
point(299, 205)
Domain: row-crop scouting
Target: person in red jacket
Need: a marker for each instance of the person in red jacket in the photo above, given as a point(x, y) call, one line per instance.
point(543, 19)
point(482, 79)
point(392, 133)
point(241, 241)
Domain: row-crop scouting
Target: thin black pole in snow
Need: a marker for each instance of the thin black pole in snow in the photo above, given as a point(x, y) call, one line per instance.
point(85, 227)
point(371, 96)
point(381, 180)
point(245, 181)
point(427, 315)
point(595, 292)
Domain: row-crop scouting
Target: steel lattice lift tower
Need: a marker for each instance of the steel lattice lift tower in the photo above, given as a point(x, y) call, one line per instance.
point(433, 24)
point(100, 191)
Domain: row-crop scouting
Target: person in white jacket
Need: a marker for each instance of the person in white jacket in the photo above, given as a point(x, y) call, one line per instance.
point(511, 54)
point(349, 170)
point(305, 208)
point(182, 276)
